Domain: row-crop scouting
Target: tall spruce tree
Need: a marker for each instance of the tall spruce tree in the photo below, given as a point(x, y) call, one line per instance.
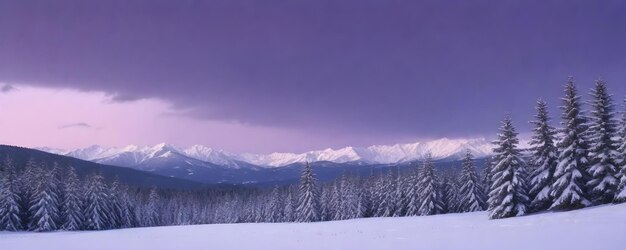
point(58, 183)
point(455, 188)
point(151, 211)
point(509, 195)
point(365, 200)
point(568, 190)
point(348, 206)
point(44, 208)
point(326, 195)
point(10, 214)
point(620, 194)
point(276, 206)
point(400, 194)
point(307, 209)
point(28, 185)
point(387, 196)
point(335, 201)
point(96, 211)
point(471, 194)
point(486, 179)
point(332, 207)
point(449, 195)
point(376, 181)
point(378, 194)
point(290, 214)
point(72, 213)
point(544, 159)
point(115, 204)
point(129, 216)
point(604, 144)
point(413, 192)
point(430, 200)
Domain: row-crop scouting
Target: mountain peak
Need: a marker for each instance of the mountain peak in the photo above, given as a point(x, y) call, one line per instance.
point(163, 145)
point(444, 148)
point(131, 147)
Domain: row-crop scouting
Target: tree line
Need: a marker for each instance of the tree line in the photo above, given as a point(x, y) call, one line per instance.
point(42, 198)
point(578, 165)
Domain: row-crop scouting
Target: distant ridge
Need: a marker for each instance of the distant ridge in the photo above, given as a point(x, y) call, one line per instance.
point(133, 155)
point(129, 176)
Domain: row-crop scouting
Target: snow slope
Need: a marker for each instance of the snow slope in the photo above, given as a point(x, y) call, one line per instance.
point(133, 155)
point(598, 228)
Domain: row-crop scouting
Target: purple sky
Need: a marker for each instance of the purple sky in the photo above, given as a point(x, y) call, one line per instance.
point(315, 73)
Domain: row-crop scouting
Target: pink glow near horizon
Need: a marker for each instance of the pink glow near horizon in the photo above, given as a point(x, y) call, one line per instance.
point(65, 118)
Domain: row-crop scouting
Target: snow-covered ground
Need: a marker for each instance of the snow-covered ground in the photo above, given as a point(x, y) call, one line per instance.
point(598, 228)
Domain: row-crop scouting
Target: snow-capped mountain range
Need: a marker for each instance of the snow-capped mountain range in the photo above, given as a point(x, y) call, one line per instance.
point(134, 155)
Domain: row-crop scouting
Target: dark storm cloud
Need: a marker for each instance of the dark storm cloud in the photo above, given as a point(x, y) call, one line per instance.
point(123, 97)
point(7, 88)
point(424, 68)
point(75, 125)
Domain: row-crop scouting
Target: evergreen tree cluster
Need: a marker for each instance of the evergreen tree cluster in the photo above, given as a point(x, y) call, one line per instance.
point(38, 198)
point(583, 163)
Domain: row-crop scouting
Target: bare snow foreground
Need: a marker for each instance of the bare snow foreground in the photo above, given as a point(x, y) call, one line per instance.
point(597, 228)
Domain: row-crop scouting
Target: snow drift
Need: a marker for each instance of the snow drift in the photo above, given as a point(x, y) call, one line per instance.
point(598, 228)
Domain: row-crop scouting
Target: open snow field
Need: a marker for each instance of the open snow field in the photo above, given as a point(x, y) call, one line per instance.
point(596, 228)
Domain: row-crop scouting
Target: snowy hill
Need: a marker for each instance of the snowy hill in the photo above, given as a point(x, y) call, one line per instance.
point(598, 228)
point(133, 155)
point(128, 176)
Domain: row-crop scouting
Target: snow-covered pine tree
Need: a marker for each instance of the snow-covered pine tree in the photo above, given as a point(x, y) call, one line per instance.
point(544, 159)
point(377, 191)
point(115, 204)
point(307, 209)
point(348, 207)
point(336, 201)
point(365, 200)
point(58, 185)
point(10, 213)
point(568, 190)
point(96, 210)
point(386, 191)
point(179, 213)
point(471, 196)
point(28, 178)
point(400, 195)
point(258, 204)
point(151, 211)
point(449, 195)
point(72, 204)
point(620, 194)
point(334, 206)
point(45, 205)
point(276, 206)
point(509, 195)
point(290, 214)
point(604, 157)
point(129, 215)
point(326, 195)
point(246, 211)
point(413, 192)
point(430, 200)
point(486, 176)
point(226, 211)
point(375, 180)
